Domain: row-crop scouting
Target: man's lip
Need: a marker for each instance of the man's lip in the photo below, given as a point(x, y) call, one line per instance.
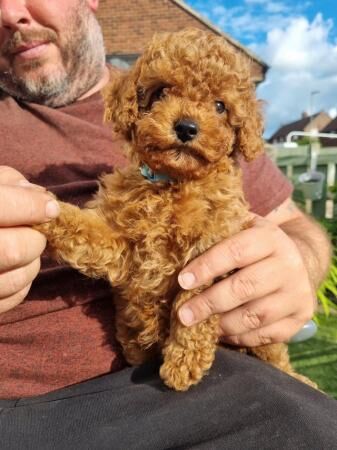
point(25, 47)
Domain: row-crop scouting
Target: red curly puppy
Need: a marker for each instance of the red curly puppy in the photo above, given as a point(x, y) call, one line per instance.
point(186, 107)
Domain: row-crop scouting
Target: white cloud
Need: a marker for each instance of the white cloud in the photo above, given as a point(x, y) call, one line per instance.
point(256, 2)
point(302, 60)
point(270, 6)
point(276, 7)
point(249, 18)
point(333, 112)
point(301, 53)
point(246, 23)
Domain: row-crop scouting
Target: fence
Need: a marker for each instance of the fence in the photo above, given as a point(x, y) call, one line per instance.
point(295, 161)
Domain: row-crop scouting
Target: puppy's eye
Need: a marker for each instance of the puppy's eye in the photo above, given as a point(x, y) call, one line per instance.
point(147, 97)
point(141, 95)
point(220, 107)
point(157, 95)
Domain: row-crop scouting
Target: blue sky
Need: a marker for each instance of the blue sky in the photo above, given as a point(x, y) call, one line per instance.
point(298, 39)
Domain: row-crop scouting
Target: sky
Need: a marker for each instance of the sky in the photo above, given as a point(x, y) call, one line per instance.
point(297, 39)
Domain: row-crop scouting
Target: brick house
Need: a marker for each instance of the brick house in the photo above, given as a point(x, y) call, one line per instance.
point(330, 128)
point(128, 25)
point(306, 123)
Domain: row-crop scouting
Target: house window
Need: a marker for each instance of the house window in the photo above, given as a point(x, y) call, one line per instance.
point(122, 61)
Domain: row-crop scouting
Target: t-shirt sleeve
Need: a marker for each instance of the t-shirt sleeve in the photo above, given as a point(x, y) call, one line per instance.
point(264, 185)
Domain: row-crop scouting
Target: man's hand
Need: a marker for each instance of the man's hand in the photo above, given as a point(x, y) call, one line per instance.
point(21, 204)
point(267, 300)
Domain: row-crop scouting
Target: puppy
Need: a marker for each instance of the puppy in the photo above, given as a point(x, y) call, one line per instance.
point(186, 108)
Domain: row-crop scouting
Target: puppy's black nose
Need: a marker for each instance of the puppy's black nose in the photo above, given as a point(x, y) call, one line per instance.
point(186, 129)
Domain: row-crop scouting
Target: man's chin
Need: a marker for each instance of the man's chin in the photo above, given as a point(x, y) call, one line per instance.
point(35, 84)
point(34, 69)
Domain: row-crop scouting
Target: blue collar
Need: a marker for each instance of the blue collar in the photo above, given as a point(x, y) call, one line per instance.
point(153, 176)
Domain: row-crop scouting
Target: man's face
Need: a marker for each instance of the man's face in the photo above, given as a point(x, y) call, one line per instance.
point(51, 52)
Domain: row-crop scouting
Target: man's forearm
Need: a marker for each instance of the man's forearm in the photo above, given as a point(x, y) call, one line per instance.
point(314, 245)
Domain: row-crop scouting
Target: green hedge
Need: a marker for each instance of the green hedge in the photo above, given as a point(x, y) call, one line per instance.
point(327, 293)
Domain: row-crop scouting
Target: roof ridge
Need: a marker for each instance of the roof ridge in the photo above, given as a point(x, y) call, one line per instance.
point(295, 125)
point(331, 125)
point(210, 25)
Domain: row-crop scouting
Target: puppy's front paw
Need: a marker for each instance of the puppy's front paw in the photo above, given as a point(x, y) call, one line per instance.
point(135, 355)
point(184, 367)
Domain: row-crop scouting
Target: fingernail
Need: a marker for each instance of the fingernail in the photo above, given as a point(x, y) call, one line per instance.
point(52, 209)
point(186, 280)
point(186, 316)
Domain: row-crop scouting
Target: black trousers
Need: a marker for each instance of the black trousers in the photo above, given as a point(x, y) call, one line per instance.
point(242, 404)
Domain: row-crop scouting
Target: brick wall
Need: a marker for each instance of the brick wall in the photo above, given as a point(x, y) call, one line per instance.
point(129, 24)
point(319, 122)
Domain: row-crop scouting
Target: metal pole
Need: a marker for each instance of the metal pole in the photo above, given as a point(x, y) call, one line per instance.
point(312, 134)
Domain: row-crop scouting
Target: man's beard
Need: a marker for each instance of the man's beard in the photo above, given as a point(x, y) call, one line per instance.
point(82, 55)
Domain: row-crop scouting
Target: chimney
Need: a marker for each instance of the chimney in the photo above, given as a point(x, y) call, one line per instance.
point(304, 115)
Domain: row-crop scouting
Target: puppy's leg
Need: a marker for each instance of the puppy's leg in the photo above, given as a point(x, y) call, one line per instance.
point(82, 239)
point(188, 351)
point(278, 356)
point(137, 328)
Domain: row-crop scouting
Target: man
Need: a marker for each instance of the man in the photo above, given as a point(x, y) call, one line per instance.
point(56, 326)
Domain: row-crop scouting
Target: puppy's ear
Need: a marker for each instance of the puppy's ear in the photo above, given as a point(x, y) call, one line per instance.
point(249, 139)
point(121, 108)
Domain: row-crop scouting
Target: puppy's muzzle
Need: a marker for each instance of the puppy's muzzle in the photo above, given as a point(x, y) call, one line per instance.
point(186, 130)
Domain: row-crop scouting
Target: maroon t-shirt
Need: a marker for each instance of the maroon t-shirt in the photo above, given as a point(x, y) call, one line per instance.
point(63, 333)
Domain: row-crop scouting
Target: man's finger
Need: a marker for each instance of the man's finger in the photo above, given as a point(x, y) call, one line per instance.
point(250, 283)
point(21, 206)
point(257, 314)
point(19, 246)
point(238, 251)
point(16, 280)
point(277, 332)
point(10, 176)
point(14, 300)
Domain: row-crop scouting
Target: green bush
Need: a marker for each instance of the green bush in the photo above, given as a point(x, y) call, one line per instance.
point(327, 293)
point(306, 140)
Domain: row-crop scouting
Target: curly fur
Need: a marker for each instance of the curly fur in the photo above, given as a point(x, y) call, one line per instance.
point(139, 234)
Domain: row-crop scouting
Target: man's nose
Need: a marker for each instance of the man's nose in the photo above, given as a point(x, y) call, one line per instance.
point(14, 14)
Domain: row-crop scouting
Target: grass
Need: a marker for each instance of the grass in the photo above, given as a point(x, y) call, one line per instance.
point(317, 357)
